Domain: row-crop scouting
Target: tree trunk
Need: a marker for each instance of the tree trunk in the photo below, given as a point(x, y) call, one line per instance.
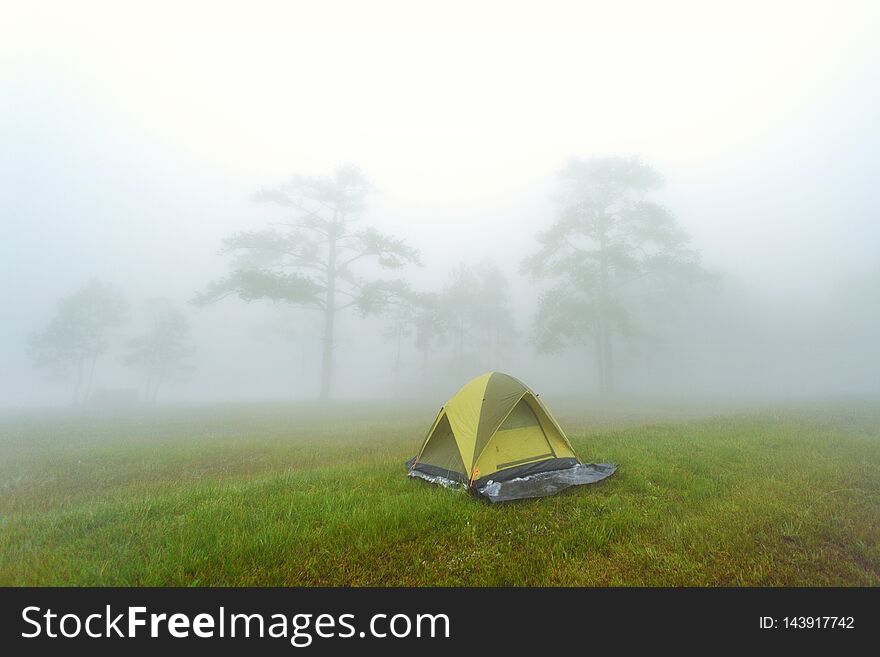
point(607, 368)
point(608, 364)
point(91, 375)
point(500, 354)
point(329, 317)
point(490, 350)
point(600, 359)
point(397, 360)
point(79, 376)
point(160, 377)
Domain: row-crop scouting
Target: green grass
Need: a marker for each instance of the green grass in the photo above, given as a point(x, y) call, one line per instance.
point(292, 495)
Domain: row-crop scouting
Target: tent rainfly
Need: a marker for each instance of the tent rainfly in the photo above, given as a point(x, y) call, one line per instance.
point(496, 437)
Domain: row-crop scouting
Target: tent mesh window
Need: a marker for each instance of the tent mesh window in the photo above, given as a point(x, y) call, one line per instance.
point(520, 417)
point(519, 440)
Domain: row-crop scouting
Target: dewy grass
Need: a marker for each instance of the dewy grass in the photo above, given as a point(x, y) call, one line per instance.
point(293, 495)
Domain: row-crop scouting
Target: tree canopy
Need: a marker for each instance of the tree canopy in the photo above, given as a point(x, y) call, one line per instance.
point(607, 238)
point(311, 259)
point(162, 352)
point(72, 342)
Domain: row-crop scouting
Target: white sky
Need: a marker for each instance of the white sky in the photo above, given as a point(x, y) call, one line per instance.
point(431, 92)
point(131, 134)
point(449, 106)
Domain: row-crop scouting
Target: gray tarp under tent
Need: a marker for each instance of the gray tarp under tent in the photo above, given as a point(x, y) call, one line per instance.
point(541, 484)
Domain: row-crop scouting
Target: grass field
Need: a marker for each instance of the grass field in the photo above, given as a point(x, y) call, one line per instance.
point(292, 495)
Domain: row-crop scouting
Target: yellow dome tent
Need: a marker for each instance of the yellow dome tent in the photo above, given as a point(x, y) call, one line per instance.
point(496, 437)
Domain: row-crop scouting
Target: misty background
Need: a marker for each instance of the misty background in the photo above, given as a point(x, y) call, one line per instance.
point(133, 140)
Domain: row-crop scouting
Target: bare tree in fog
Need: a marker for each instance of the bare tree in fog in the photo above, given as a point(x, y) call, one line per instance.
point(431, 326)
point(77, 336)
point(607, 236)
point(416, 315)
point(477, 305)
point(401, 315)
point(459, 305)
point(494, 313)
point(310, 260)
point(161, 353)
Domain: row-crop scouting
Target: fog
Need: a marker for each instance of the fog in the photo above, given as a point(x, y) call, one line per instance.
point(135, 140)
